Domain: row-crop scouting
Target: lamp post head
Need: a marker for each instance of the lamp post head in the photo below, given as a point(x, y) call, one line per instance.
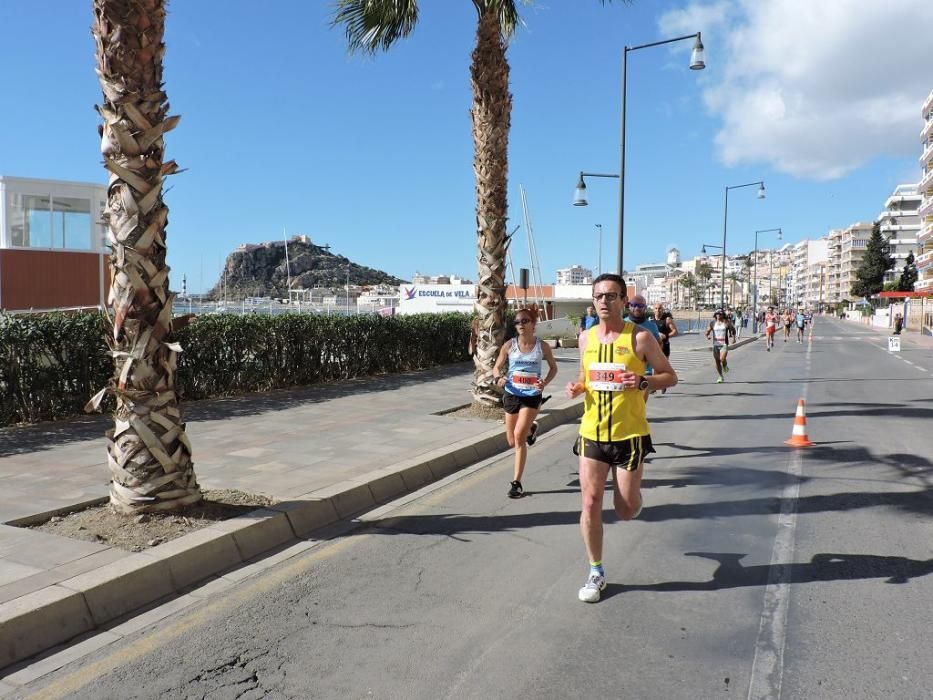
point(703, 250)
point(579, 196)
point(780, 235)
point(696, 56)
point(761, 191)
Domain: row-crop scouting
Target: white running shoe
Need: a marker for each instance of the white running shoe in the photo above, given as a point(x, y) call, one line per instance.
point(592, 588)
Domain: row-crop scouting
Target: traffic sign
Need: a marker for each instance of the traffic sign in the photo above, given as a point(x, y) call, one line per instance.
point(894, 343)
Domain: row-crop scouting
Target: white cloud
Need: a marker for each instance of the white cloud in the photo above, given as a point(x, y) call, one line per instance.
point(814, 88)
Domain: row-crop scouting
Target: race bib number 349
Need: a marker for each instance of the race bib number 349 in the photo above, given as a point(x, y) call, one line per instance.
point(606, 376)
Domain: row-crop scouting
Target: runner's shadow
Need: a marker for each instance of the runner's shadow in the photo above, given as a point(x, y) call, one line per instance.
point(730, 573)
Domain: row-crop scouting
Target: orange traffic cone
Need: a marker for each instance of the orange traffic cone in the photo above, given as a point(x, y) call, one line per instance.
point(798, 438)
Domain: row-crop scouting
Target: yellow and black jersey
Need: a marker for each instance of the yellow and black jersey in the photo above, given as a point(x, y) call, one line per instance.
point(612, 413)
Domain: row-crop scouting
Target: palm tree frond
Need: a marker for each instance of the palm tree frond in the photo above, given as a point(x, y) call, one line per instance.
point(374, 25)
point(506, 11)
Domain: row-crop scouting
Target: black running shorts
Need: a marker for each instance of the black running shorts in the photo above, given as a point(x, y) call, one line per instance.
point(627, 454)
point(513, 404)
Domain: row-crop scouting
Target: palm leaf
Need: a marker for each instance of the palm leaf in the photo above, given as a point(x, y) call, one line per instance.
point(374, 25)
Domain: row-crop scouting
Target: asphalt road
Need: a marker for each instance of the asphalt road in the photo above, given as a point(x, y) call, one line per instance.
point(755, 570)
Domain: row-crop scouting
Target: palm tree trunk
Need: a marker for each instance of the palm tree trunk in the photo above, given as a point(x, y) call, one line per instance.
point(491, 115)
point(148, 452)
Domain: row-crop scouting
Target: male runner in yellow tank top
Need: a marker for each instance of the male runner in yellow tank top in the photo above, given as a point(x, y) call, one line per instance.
point(614, 430)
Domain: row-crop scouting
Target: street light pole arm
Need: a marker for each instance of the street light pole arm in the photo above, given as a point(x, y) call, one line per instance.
point(760, 183)
point(665, 41)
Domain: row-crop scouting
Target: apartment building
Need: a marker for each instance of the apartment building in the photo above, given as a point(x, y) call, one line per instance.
point(852, 244)
point(808, 261)
point(575, 274)
point(900, 225)
point(924, 256)
point(52, 245)
point(833, 272)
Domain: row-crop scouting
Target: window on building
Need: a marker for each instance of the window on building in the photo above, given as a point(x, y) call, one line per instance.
point(43, 221)
point(71, 223)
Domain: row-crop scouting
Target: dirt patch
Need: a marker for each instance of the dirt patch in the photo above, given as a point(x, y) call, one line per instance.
point(483, 412)
point(102, 525)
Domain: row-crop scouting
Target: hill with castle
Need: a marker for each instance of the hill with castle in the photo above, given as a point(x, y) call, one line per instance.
point(260, 270)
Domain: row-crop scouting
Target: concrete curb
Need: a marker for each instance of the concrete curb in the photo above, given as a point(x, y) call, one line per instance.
point(58, 613)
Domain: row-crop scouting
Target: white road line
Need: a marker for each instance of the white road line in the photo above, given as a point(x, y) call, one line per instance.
point(768, 665)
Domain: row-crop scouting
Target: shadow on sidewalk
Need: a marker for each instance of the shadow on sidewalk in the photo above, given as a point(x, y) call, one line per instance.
point(42, 436)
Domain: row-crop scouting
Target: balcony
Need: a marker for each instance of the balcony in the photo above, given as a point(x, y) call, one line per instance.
point(926, 130)
point(926, 181)
point(927, 105)
point(924, 285)
point(927, 154)
point(908, 229)
point(926, 209)
point(924, 260)
point(925, 233)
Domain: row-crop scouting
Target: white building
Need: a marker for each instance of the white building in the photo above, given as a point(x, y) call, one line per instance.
point(53, 249)
point(900, 225)
point(925, 212)
point(575, 274)
point(419, 278)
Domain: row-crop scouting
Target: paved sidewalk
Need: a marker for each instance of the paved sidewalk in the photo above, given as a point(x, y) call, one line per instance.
point(909, 338)
point(325, 452)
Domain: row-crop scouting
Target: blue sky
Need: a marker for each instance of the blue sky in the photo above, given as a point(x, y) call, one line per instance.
point(282, 129)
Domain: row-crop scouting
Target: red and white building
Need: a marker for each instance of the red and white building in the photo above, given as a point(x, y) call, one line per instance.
point(52, 252)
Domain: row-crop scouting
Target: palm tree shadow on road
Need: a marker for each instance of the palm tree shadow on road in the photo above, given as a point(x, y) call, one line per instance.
point(822, 567)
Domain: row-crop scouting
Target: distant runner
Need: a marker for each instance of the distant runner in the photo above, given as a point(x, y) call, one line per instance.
point(788, 322)
point(668, 329)
point(523, 385)
point(801, 321)
point(771, 327)
point(718, 332)
point(638, 314)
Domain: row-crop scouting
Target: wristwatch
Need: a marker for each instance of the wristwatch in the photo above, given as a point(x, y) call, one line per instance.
point(643, 384)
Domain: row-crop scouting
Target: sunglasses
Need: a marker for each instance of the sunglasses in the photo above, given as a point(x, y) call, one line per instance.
point(522, 321)
point(637, 306)
point(608, 296)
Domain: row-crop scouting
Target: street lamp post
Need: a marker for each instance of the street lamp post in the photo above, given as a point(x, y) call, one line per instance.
point(696, 63)
point(755, 275)
point(348, 291)
point(725, 219)
point(719, 247)
point(599, 260)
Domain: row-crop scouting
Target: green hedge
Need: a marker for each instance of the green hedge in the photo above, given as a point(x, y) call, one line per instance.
point(51, 364)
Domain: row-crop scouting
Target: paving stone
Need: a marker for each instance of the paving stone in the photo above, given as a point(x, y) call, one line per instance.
point(197, 555)
point(122, 586)
point(10, 571)
point(307, 513)
point(256, 532)
point(348, 497)
point(415, 473)
point(40, 620)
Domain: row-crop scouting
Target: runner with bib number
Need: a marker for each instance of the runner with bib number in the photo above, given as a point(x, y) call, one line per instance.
point(614, 356)
point(522, 384)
